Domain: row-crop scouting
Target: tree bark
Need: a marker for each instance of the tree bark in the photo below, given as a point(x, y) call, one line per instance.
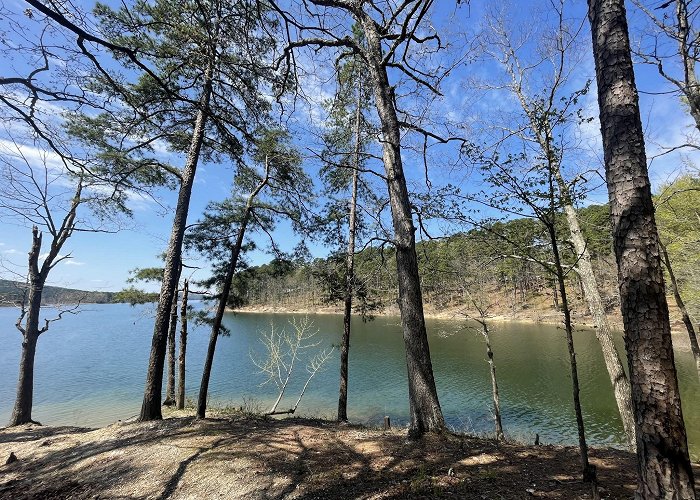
point(349, 271)
point(424, 406)
point(22, 411)
point(183, 348)
point(150, 408)
point(172, 330)
point(662, 449)
point(494, 382)
point(681, 306)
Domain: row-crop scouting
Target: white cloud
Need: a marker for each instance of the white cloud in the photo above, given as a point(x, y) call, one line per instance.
point(73, 263)
point(34, 156)
point(10, 251)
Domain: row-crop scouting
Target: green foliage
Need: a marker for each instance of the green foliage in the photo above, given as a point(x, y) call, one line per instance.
point(270, 186)
point(678, 220)
point(133, 296)
point(482, 259)
point(596, 228)
point(146, 112)
point(147, 274)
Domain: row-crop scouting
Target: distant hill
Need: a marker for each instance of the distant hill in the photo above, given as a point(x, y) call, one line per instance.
point(11, 293)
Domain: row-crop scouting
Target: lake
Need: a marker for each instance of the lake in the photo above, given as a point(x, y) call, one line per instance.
point(90, 371)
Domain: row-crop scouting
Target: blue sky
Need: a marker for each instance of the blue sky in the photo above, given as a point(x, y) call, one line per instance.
point(102, 261)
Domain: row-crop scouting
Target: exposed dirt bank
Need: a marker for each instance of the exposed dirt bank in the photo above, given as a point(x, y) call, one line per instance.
point(249, 457)
point(529, 316)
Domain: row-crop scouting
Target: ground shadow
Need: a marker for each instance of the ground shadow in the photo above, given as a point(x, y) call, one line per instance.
point(292, 458)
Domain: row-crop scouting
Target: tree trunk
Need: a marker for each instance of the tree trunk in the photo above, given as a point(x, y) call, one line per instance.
point(588, 470)
point(183, 348)
point(223, 299)
point(424, 407)
point(662, 449)
point(150, 408)
point(618, 377)
point(494, 383)
point(172, 330)
point(22, 411)
point(349, 271)
point(691, 88)
point(681, 306)
point(218, 318)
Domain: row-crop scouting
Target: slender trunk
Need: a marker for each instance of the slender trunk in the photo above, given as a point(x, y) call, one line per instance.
point(172, 330)
point(183, 348)
point(424, 406)
point(273, 408)
point(691, 87)
point(681, 306)
point(616, 373)
point(587, 469)
point(150, 408)
point(662, 448)
point(22, 411)
point(494, 383)
point(218, 318)
point(225, 292)
point(350, 270)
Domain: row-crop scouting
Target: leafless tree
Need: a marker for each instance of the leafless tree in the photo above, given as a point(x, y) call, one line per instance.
point(283, 351)
point(36, 191)
point(550, 108)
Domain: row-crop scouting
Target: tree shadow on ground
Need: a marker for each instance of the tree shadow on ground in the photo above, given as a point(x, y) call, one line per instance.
point(293, 458)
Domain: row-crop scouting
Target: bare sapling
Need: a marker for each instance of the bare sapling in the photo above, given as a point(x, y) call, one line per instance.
point(284, 350)
point(481, 315)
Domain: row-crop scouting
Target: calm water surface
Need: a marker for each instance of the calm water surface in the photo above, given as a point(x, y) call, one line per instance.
point(90, 371)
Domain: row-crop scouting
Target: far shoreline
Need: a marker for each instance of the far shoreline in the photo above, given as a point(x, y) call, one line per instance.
point(550, 318)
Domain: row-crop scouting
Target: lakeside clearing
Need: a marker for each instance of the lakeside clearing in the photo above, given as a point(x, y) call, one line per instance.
point(244, 456)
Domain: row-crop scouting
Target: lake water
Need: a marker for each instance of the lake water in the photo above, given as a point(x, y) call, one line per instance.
point(90, 371)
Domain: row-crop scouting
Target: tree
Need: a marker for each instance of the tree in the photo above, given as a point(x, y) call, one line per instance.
point(662, 449)
point(155, 274)
point(389, 38)
point(481, 305)
point(526, 186)
point(58, 203)
point(344, 157)
point(277, 185)
point(678, 56)
point(202, 98)
point(283, 351)
point(548, 111)
point(183, 347)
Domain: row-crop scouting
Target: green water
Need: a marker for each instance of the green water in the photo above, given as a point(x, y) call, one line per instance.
point(90, 371)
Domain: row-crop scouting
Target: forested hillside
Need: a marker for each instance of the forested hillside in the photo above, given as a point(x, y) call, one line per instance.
point(11, 292)
point(499, 265)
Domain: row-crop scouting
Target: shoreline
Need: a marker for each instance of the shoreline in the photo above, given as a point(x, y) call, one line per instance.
point(447, 314)
point(678, 332)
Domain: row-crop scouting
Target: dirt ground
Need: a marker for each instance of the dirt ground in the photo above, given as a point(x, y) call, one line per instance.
point(251, 457)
